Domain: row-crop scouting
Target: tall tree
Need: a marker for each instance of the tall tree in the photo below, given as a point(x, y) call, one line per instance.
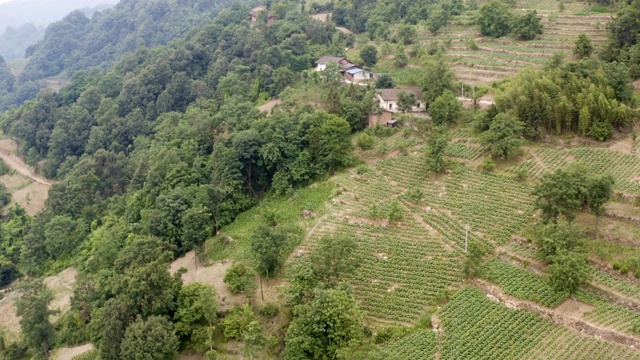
point(436, 80)
point(445, 109)
point(195, 316)
point(406, 101)
point(153, 339)
point(527, 26)
point(583, 46)
point(495, 19)
point(569, 271)
point(335, 256)
point(319, 329)
point(599, 188)
point(33, 308)
point(268, 244)
point(561, 193)
point(369, 55)
point(504, 136)
point(436, 148)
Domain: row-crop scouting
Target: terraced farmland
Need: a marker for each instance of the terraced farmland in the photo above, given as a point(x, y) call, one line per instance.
point(625, 168)
point(499, 58)
point(476, 327)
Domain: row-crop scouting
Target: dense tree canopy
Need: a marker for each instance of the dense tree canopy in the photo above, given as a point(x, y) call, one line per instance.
point(587, 97)
point(495, 19)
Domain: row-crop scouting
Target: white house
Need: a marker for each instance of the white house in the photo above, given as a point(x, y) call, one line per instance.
point(325, 60)
point(388, 99)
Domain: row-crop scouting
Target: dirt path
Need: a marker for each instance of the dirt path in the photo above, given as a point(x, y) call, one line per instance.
point(17, 164)
point(567, 319)
point(68, 353)
point(268, 106)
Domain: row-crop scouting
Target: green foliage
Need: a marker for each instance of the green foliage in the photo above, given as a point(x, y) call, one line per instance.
point(154, 339)
point(33, 308)
point(495, 19)
point(583, 46)
point(240, 278)
point(195, 315)
point(569, 189)
point(437, 20)
point(568, 271)
point(445, 109)
point(436, 80)
point(384, 81)
point(487, 164)
point(400, 58)
point(527, 27)
point(407, 34)
point(335, 256)
point(369, 55)
point(475, 253)
point(329, 142)
point(552, 238)
point(406, 101)
point(504, 136)
point(268, 245)
point(365, 141)
point(574, 97)
point(436, 148)
point(269, 310)
point(319, 329)
point(237, 322)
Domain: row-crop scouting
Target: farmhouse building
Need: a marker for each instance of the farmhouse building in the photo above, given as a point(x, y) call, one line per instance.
point(255, 12)
point(342, 62)
point(388, 99)
point(356, 73)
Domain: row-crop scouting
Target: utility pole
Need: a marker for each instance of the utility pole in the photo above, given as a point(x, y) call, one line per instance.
point(466, 237)
point(462, 90)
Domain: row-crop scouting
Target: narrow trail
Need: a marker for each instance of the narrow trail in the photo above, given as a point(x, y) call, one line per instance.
point(579, 325)
point(21, 167)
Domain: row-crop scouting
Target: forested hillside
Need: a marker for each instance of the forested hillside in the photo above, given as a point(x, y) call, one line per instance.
point(78, 42)
point(192, 223)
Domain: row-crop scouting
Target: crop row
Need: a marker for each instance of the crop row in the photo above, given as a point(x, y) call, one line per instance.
point(478, 328)
point(419, 345)
point(522, 283)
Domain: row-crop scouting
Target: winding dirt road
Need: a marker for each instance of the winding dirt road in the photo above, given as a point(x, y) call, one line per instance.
point(21, 167)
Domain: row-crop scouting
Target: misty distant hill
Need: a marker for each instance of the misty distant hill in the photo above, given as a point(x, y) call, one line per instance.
point(42, 12)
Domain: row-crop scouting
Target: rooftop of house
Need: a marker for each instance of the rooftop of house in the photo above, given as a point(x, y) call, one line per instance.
point(354, 70)
point(392, 94)
point(330, 59)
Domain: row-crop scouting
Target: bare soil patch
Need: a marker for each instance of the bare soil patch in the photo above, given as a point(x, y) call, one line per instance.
point(321, 16)
point(61, 286)
point(574, 309)
point(9, 321)
point(25, 192)
point(68, 353)
point(211, 275)
point(269, 105)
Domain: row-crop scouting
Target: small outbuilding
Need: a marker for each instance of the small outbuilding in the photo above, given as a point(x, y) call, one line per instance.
point(358, 74)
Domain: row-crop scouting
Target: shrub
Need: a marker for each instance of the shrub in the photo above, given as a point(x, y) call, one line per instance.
point(487, 164)
point(269, 310)
point(237, 321)
point(365, 141)
point(239, 278)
